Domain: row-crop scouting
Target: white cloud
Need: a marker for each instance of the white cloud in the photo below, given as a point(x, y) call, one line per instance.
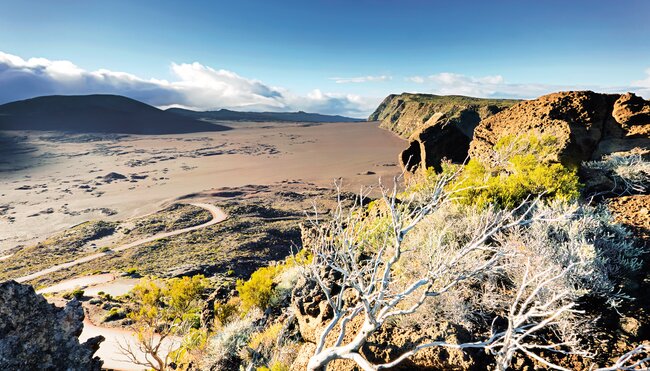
point(447, 83)
point(415, 79)
point(333, 103)
point(645, 83)
point(487, 86)
point(195, 86)
point(643, 86)
point(360, 79)
point(21, 79)
point(205, 88)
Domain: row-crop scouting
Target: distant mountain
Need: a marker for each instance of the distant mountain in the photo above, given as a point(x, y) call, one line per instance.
point(98, 114)
point(228, 115)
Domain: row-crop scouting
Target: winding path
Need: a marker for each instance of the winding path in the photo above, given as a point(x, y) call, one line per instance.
point(217, 216)
point(110, 350)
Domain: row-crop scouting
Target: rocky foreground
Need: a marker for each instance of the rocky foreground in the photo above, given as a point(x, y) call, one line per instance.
point(36, 335)
point(582, 155)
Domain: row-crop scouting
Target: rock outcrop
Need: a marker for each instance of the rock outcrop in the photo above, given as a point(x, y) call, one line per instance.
point(436, 126)
point(588, 125)
point(36, 335)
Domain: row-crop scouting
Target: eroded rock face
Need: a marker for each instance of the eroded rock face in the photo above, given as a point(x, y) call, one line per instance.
point(311, 309)
point(405, 114)
point(428, 147)
point(633, 113)
point(36, 335)
point(587, 125)
point(437, 126)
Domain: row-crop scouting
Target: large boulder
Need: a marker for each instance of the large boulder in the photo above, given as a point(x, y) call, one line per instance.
point(633, 113)
point(587, 125)
point(36, 335)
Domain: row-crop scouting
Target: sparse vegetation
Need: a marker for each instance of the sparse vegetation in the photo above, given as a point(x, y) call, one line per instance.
point(76, 294)
point(73, 243)
point(497, 251)
point(503, 253)
point(60, 248)
point(176, 216)
point(242, 243)
point(522, 167)
point(163, 312)
point(132, 271)
point(264, 288)
point(630, 172)
point(226, 312)
point(532, 263)
point(223, 350)
point(114, 314)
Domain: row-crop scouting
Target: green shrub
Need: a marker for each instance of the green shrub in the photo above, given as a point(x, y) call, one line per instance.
point(508, 188)
point(257, 291)
point(131, 271)
point(265, 338)
point(105, 296)
point(522, 167)
point(275, 366)
point(224, 313)
point(76, 293)
point(114, 314)
point(373, 227)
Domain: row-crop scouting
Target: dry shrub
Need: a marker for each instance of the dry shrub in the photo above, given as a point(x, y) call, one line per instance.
point(224, 347)
point(630, 171)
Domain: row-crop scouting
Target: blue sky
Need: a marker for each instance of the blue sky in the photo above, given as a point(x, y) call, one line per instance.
point(332, 56)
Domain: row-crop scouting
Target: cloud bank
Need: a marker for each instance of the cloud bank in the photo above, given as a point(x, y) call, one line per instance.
point(201, 87)
point(196, 86)
point(447, 83)
point(643, 86)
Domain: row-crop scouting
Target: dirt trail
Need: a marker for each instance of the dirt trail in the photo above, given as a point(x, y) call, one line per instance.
point(217, 216)
point(115, 339)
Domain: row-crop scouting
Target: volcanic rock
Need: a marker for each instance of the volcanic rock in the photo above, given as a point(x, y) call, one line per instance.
point(113, 176)
point(436, 126)
point(36, 335)
point(587, 125)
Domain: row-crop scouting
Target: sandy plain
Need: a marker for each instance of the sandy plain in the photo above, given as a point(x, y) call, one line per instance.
point(50, 181)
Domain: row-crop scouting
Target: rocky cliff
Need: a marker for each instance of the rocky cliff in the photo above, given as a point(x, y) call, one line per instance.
point(425, 119)
point(587, 125)
point(404, 114)
point(36, 335)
